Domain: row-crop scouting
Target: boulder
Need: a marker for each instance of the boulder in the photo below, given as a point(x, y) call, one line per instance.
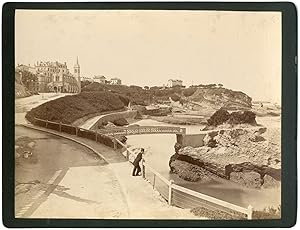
point(270, 182)
point(248, 179)
point(120, 122)
point(190, 172)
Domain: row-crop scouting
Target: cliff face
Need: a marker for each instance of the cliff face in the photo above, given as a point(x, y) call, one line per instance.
point(241, 155)
point(221, 98)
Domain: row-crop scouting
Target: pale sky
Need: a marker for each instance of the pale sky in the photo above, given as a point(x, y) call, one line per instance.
point(241, 50)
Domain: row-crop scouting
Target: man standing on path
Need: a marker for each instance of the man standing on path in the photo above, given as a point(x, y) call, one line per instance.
point(136, 163)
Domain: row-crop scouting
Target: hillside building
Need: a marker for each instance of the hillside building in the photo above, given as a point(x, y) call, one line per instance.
point(115, 81)
point(100, 79)
point(172, 83)
point(55, 76)
point(86, 79)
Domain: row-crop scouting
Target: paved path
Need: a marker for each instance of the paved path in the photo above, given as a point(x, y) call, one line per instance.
point(90, 122)
point(23, 105)
point(143, 202)
point(64, 179)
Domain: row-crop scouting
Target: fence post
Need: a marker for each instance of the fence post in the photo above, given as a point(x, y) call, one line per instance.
point(59, 126)
point(127, 154)
point(76, 131)
point(154, 176)
point(250, 211)
point(115, 143)
point(46, 123)
point(170, 193)
point(143, 168)
point(96, 135)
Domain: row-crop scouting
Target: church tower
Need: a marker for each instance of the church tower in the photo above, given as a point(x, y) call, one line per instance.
point(77, 74)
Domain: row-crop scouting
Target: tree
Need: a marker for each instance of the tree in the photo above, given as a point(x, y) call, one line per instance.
point(146, 87)
point(28, 77)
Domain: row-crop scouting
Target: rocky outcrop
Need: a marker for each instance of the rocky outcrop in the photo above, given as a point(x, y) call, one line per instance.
point(219, 97)
point(158, 111)
point(249, 179)
point(120, 122)
point(190, 172)
point(222, 116)
point(241, 155)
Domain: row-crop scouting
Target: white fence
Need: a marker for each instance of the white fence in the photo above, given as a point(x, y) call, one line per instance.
point(185, 198)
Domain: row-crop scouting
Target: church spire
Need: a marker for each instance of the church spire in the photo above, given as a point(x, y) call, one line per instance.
point(77, 74)
point(77, 63)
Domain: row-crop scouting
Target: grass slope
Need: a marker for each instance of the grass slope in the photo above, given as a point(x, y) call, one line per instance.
point(70, 108)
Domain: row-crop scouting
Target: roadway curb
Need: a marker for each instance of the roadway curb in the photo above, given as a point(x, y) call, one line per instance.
point(69, 138)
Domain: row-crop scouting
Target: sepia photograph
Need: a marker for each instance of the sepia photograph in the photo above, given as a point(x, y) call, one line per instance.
point(148, 114)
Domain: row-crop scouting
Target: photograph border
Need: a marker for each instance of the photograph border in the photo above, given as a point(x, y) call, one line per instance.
point(288, 125)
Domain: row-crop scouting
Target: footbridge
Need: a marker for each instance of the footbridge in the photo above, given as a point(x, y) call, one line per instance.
point(137, 130)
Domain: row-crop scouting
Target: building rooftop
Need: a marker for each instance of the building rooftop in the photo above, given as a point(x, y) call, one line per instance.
point(99, 77)
point(174, 80)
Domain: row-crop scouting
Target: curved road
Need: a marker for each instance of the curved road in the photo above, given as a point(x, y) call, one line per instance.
point(64, 179)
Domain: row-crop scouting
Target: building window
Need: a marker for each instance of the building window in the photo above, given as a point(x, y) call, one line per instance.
point(57, 78)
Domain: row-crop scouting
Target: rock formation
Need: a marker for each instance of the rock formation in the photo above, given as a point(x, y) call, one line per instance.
point(241, 155)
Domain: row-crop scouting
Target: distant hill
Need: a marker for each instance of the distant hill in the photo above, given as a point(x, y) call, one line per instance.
point(207, 96)
point(135, 94)
point(219, 97)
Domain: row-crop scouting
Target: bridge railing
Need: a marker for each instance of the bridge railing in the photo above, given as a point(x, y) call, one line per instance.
point(144, 130)
point(74, 130)
point(182, 197)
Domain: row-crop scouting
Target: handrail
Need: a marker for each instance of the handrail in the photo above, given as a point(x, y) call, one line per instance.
point(157, 174)
point(79, 129)
point(144, 130)
point(122, 144)
point(211, 199)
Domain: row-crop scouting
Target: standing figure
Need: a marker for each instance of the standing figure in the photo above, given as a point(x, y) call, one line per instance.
point(136, 163)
